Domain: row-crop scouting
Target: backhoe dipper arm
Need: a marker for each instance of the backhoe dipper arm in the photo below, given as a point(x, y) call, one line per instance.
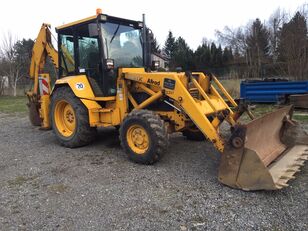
point(42, 48)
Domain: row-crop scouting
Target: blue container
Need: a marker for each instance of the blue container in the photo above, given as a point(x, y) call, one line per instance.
point(271, 91)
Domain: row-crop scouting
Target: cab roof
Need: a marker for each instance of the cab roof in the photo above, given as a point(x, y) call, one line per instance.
point(76, 22)
point(103, 17)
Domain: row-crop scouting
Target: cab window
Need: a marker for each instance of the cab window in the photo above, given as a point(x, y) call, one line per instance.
point(88, 51)
point(67, 63)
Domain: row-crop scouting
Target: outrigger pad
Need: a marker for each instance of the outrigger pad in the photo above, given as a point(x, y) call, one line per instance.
point(274, 149)
point(34, 115)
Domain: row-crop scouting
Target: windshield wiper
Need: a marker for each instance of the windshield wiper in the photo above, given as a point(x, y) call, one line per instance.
point(115, 33)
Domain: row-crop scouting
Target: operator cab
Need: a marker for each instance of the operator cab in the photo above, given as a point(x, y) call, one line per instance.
point(97, 47)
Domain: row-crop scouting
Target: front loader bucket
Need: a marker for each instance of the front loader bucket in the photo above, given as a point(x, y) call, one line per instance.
point(274, 147)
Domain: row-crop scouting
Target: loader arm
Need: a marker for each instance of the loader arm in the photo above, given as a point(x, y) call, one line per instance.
point(207, 113)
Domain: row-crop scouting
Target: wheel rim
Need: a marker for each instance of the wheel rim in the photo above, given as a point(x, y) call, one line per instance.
point(137, 139)
point(65, 118)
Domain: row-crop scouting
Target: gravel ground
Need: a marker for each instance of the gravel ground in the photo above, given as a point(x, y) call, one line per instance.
point(44, 186)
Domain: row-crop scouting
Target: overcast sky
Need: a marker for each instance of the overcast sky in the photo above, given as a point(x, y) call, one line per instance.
point(193, 19)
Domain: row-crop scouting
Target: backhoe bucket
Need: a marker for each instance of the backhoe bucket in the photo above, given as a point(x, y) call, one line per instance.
point(264, 154)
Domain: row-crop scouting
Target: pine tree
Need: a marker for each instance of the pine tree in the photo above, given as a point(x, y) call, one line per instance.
point(202, 57)
point(169, 45)
point(182, 56)
point(225, 55)
point(218, 58)
point(155, 48)
point(293, 46)
point(257, 46)
point(213, 54)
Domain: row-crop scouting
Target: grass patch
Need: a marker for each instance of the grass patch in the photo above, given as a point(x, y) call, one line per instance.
point(10, 104)
point(258, 110)
point(57, 188)
point(262, 109)
point(301, 117)
point(232, 86)
point(19, 180)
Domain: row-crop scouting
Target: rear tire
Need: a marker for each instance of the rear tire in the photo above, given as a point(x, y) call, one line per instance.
point(70, 119)
point(144, 137)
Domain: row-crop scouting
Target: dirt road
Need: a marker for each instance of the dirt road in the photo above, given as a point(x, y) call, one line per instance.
point(44, 186)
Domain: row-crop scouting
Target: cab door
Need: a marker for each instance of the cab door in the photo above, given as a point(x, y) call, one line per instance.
point(88, 55)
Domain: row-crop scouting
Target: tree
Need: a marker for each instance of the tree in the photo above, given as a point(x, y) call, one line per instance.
point(293, 46)
point(234, 38)
point(10, 65)
point(257, 46)
point(202, 56)
point(275, 22)
point(182, 55)
point(169, 46)
point(218, 58)
point(213, 54)
point(155, 48)
point(227, 55)
point(23, 53)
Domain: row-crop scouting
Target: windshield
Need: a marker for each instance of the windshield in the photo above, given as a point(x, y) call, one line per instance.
point(122, 44)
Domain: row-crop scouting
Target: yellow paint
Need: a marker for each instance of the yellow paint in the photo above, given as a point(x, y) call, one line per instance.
point(79, 85)
point(136, 79)
point(110, 117)
point(107, 98)
point(76, 22)
point(44, 111)
point(225, 92)
point(150, 100)
point(65, 118)
point(137, 139)
point(197, 110)
point(41, 49)
point(122, 96)
point(177, 120)
point(132, 100)
point(92, 107)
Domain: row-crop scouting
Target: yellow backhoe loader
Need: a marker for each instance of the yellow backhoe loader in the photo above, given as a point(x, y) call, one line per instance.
point(106, 78)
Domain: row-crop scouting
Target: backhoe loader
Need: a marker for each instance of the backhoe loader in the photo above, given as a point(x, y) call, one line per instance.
point(106, 78)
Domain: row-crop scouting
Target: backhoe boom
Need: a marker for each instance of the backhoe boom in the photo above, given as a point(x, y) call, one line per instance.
point(42, 48)
point(39, 95)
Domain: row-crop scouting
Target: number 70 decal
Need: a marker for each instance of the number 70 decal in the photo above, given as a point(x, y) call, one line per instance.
point(79, 86)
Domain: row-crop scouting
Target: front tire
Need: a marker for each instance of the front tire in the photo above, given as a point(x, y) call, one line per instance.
point(144, 137)
point(70, 119)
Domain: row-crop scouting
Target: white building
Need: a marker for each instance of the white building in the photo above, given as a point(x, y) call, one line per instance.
point(4, 81)
point(163, 61)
